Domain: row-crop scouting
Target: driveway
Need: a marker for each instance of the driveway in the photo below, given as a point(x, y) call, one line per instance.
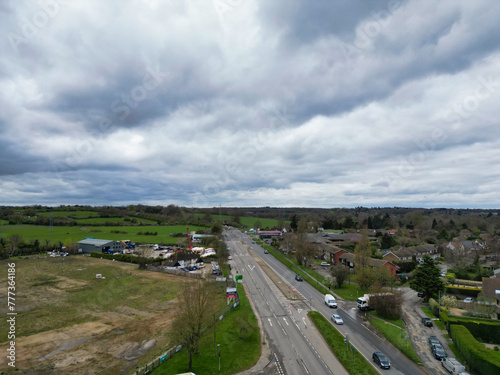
point(419, 334)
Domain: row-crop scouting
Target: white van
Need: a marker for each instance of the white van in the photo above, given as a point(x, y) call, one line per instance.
point(452, 365)
point(330, 301)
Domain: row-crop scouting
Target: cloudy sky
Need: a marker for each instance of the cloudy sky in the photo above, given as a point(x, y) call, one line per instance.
point(309, 103)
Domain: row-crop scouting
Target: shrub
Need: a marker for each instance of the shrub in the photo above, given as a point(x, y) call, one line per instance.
point(449, 301)
point(434, 306)
point(480, 359)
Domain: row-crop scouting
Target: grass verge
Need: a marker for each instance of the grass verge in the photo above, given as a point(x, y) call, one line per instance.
point(238, 352)
point(354, 364)
point(348, 291)
point(393, 335)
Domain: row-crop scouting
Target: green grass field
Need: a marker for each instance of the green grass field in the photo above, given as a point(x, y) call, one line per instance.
point(354, 363)
point(42, 233)
point(71, 214)
point(114, 220)
point(247, 221)
point(237, 353)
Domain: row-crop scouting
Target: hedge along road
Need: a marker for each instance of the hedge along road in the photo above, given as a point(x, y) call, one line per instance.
point(362, 338)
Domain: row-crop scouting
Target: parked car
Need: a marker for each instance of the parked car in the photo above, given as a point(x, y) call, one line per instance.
point(298, 278)
point(381, 360)
point(427, 322)
point(453, 366)
point(421, 294)
point(337, 319)
point(439, 351)
point(433, 340)
point(469, 299)
point(325, 264)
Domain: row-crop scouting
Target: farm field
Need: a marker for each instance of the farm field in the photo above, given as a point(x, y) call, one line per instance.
point(70, 322)
point(114, 220)
point(62, 233)
point(247, 221)
point(74, 214)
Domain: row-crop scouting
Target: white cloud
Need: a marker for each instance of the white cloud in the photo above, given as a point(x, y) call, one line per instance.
point(250, 103)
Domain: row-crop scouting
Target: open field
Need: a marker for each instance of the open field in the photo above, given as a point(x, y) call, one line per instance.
point(42, 233)
point(74, 214)
point(117, 220)
point(70, 322)
point(247, 221)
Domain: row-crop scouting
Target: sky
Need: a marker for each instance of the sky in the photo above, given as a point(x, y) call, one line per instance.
point(298, 103)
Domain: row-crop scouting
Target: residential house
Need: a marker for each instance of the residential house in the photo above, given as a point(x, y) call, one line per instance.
point(348, 260)
point(406, 254)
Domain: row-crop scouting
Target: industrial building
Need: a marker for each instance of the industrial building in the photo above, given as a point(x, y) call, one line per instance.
point(90, 245)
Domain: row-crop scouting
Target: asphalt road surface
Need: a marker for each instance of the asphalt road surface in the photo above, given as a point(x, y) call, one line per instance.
point(297, 354)
point(293, 352)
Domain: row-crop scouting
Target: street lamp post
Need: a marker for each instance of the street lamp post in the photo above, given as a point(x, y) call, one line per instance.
point(218, 346)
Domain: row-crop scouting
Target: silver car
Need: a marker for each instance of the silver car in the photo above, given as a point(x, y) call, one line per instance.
point(337, 319)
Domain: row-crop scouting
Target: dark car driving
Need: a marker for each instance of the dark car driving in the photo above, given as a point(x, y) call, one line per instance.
point(298, 278)
point(381, 360)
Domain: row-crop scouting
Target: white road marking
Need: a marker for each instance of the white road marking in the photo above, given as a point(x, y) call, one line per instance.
point(270, 321)
point(286, 321)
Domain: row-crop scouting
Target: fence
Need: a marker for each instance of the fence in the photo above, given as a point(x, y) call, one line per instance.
point(174, 272)
point(149, 367)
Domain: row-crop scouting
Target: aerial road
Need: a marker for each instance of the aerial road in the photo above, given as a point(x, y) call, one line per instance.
point(291, 349)
point(363, 339)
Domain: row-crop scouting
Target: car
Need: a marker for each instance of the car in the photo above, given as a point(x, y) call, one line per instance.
point(381, 360)
point(439, 351)
point(266, 252)
point(325, 264)
point(298, 278)
point(427, 322)
point(433, 340)
point(421, 294)
point(337, 319)
point(469, 299)
point(443, 274)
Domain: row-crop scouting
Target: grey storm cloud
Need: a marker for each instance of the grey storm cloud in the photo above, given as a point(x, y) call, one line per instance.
point(250, 102)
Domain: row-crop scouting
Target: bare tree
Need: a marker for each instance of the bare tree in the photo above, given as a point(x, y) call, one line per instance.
point(144, 251)
point(196, 304)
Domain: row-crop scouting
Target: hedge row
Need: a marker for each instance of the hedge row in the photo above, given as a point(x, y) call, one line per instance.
point(467, 291)
point(126, 258)
point(484, 329)
point(480, 359)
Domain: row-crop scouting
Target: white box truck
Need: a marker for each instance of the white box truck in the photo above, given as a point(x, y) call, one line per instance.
point(452, 366)
point(365, 304)
point(330, 301)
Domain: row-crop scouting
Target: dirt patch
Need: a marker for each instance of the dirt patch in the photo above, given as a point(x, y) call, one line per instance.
point(114, 343)
point(283, 286)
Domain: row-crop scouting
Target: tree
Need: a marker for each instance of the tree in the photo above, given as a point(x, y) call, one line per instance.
point(340, 273)
point(426, 277)
point(388, 241)
point(196, 304)
point(362, 253)
point(257, 225)
point(294, 223)
point(217, 228)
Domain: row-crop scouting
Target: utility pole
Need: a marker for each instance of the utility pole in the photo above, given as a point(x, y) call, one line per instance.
point(215, 342)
